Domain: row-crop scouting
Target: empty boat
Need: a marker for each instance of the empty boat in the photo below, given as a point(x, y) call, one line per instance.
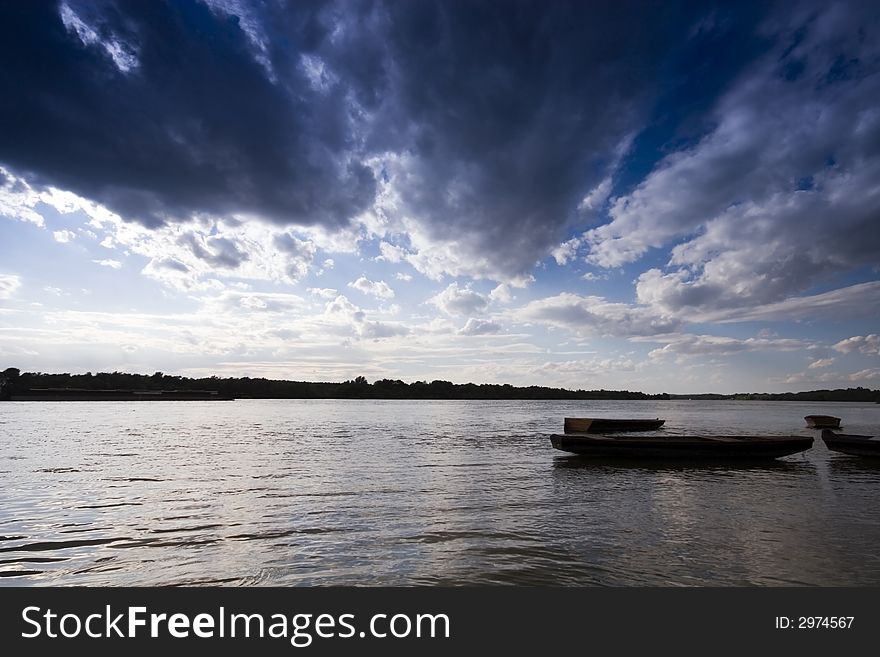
point(822, 421)
point(720, 448)
point(851, 443)
point(607, 425)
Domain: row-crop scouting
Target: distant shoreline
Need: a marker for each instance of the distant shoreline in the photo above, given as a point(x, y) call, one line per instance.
point(119, 386)
point(79, 394)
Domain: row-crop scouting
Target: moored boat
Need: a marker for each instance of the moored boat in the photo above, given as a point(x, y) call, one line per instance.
point(682, 447)
point(822, 421)
point(607, 425)
point(851, 443)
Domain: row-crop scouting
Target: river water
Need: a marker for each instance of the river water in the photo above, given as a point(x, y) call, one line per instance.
point(341, 492)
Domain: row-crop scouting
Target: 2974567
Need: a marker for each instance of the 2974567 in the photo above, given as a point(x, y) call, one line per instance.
point(814, 622)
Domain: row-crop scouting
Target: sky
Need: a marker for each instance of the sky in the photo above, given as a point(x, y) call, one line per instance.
point(665, 197)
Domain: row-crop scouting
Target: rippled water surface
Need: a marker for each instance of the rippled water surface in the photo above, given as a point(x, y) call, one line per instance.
point(297, 492)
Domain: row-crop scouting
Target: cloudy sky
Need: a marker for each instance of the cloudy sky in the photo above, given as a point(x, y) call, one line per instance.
point(657, 197)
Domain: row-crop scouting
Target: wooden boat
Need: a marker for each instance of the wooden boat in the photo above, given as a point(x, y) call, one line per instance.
point(682, 447)
point(851, 443)
point(822, 421)
point(607, 425)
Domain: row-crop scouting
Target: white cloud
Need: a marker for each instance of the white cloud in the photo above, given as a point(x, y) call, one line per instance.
point(861, 300)
point(299, 254)
point(865, 344)
point(9, 285)
point(341, 307)
point(63, 236)
point(480, 327)
point(781, 194)
point(436, 258)
point(596, 198)
point(403, 276)
point(686, 344)
point(455, 300)
point(390, 252)
point(820, 363)
point(123, 55)
point(373, 330)
point(345, 315)
point(378, 289)
point(189, 256)
point(580, 369)
point(18, 199)
point(218, 252)
point(872, 374)
point(324, 292)
point(675, 295)
point(326, 266)
point(813, 378)
point(501, 293)
point(227, 301)
point(592, 314)
point(566, 251)
point(113, 264)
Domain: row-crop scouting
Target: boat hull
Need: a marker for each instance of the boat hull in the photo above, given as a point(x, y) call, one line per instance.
point(851, 444)
point(822, 421)
point(608, 425)
point(682, 447)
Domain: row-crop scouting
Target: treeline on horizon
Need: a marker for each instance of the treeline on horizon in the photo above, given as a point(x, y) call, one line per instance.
point(13, 381)
point(260, 388)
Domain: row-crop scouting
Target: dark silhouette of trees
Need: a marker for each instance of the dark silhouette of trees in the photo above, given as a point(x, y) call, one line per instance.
point(8, 380)
point(244, 387)
point(13, 381)
point(849, 394)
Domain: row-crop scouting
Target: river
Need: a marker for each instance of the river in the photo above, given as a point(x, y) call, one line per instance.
point(345, 492)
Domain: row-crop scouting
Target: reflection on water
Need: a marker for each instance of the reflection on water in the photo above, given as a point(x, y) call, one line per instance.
point(346, 492)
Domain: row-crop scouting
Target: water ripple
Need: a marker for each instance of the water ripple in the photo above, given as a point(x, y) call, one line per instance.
point(315, 492)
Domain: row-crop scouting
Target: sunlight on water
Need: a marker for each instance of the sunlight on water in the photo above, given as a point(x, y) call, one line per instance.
point(300, 492)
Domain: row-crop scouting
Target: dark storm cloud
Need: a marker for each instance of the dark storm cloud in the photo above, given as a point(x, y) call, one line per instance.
point(510, 112)
point(492, 119)
point(193, 126)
